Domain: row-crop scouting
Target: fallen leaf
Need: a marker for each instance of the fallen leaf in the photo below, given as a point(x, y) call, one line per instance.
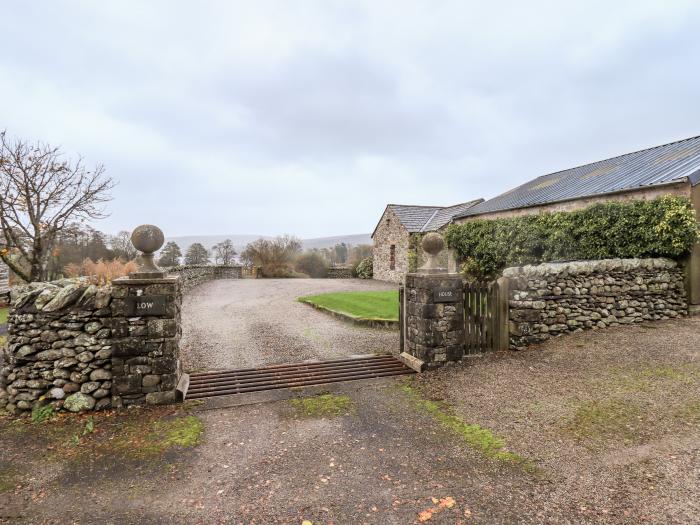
point(425, 515)
point(447, 502)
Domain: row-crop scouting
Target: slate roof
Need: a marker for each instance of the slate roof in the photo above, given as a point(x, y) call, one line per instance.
point(427, 218)
point(674, 162)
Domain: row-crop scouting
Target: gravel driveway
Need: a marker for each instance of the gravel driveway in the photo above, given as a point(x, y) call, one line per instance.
point(610, 419)
point(243, 323)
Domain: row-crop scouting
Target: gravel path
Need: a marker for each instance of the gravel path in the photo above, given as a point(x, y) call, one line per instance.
point(243, 323)
point(611, 416)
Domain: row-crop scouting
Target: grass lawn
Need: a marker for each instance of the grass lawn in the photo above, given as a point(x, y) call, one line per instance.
point(381, 305)
point(3, 315)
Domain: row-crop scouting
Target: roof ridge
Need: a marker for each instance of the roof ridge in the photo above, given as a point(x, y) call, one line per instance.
point(615, 157)
point(422, 228)
point(418, 205)
point(473, 201)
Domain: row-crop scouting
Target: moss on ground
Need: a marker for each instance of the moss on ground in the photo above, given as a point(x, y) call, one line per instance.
point(634, 405)
point(138, 433)
point(477, 437)
point(650, 377)
point(323, 405)
point(156, 437)
point(8, 479)
point(609, 419)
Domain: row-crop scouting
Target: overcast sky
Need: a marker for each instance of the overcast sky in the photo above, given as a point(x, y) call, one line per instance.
point(308, 117)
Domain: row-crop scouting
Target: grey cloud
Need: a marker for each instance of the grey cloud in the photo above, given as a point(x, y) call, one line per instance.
point(259, 117)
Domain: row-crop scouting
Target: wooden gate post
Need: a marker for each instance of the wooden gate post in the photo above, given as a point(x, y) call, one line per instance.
point(501, 339)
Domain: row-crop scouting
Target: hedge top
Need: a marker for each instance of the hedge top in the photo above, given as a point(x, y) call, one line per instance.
point(664, 227)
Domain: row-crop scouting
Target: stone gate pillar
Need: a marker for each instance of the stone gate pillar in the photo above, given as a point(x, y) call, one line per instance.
point(433, 312)
point(146, 330)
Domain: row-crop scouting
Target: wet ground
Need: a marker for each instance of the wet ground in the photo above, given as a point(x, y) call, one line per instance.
point(597, 427)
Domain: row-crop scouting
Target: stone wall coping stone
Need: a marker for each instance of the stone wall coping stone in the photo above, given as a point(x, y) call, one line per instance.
point(122, 281)
point(588, 267)
point(181, 267)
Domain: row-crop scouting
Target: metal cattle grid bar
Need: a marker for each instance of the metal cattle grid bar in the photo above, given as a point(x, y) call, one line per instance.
point(208, 384)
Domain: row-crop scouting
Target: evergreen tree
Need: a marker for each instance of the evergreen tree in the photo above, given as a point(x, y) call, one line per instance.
point(170, 255)
point(196, 254)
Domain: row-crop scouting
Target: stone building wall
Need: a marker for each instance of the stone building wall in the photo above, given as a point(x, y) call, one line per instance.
point(555, 298)
point(194, 275)
point(680, 190)
point(389, 232)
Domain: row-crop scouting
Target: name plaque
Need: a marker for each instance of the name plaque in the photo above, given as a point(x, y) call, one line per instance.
point(446, 295)
point(147, 305)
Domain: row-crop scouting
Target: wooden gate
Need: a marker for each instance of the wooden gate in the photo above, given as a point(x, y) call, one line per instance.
point(485, 317)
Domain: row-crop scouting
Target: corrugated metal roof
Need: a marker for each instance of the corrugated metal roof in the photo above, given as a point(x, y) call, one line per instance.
point(665, 164)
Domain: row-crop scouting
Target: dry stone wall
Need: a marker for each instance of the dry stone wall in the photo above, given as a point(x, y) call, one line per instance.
point(59, 349)
point(340, 272)
point(78, 346)
point(552, 299)
point(194, 275)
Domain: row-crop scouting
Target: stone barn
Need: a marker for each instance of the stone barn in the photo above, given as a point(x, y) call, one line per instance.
point(670, 169)
point(396, 236)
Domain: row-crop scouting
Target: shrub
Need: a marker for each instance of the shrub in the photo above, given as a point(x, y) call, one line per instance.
point(274, 257)
point(312, 264)
point(101, 272)
point(364, 269)
point(664, 227)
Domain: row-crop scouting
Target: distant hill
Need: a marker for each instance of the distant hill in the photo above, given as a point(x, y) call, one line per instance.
point(329, 242)
point(241, 241)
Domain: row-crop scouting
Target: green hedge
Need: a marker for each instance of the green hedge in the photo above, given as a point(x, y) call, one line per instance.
point(664, 227)
point(363, 270)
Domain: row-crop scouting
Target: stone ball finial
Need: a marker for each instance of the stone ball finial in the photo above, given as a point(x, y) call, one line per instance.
point(433, 243)
point(147, 238)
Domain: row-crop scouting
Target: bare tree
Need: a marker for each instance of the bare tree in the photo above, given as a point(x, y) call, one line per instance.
point(41, 193)
point(274, 257)
point(122, 247)
point(224, 252)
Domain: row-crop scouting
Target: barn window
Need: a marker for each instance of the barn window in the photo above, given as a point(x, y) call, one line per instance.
point(392, 257)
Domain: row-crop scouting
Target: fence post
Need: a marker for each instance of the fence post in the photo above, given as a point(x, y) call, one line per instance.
point(501, 332)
